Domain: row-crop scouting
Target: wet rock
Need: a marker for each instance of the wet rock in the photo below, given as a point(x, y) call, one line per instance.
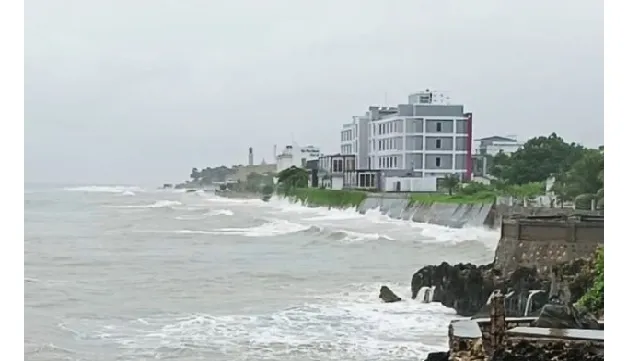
point(437, 356)
point(565, 316)
point(556, 351)
point(464, 287)
point(467, 287)
point(387, 295)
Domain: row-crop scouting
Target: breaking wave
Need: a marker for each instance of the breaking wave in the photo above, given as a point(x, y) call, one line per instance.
point(157, 204)
point(221, 212)
point(105, 189)
point(342, 326)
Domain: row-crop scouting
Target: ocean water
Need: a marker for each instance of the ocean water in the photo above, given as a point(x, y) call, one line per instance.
point(125, 273)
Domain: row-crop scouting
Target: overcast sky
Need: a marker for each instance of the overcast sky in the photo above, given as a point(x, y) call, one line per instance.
point(121, 91)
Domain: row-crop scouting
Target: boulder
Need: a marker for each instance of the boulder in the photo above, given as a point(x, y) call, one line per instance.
point(565, 316)
point(438, 356)
point(387, 295)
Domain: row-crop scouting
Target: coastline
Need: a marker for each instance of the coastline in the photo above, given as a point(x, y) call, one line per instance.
point(443, 210)
point(467, 288)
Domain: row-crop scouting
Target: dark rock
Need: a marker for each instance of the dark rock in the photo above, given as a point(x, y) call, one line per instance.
point(387, 295)
point(565, 316)
point(559, 351)
point(437, 356)
point(467, 287)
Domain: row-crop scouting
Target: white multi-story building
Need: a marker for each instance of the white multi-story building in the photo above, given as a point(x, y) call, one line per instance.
point(428, 137)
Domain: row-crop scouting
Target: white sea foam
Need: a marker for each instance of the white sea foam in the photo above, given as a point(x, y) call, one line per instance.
point(157, 204)
point(436, 233)
point(346, 325)
point(272, 228)
point(104, 189)
point(221, 212)
point(429, 232)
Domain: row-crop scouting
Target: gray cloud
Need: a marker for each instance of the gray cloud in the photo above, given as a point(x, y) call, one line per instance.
point(140, 91)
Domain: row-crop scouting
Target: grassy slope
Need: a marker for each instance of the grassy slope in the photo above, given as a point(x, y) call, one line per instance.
point(328, 198)
point(428, 198)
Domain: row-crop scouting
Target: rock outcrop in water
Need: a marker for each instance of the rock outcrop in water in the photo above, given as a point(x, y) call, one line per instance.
point(467, 287)
point(464, 287)
point(387, 295)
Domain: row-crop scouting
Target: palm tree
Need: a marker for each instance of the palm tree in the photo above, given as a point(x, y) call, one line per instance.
point(450, 182)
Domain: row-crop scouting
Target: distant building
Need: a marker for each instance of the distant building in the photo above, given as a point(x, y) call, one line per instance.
point(293, 155)
point(496, 144)
point(251, 156)
point(489, 147)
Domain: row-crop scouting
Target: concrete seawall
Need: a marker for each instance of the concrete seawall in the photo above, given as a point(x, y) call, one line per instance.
point(397, 206)
point(445, 214)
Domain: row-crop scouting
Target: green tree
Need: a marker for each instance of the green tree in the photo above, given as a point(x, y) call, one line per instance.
point(293, 177)
point(194, 174)
point(450, 182)
point(563, 190)
point(537, 160)
point(586, 176)
point(594, 298)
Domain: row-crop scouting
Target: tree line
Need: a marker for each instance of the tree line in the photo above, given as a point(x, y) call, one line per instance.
point(578, 171)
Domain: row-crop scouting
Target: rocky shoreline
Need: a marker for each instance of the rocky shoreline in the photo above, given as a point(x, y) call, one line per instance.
point(467, 287)
point(547, 303)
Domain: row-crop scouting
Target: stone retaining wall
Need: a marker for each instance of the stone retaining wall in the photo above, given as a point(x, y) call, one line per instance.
point(545, 242)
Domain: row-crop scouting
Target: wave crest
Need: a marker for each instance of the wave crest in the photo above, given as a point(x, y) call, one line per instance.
point(104, 189)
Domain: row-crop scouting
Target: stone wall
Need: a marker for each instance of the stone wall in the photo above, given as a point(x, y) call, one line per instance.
point(544, 242)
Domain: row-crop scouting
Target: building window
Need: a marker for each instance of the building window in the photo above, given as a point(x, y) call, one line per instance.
point(337, 165)
point(438, 127)
point(438, 161)
point(438, 143)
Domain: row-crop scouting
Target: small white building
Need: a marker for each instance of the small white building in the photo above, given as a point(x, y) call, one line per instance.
point(294, 155)
point(496, 144)
point(491, 146)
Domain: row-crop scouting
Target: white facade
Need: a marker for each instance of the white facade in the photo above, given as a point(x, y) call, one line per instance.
point(294, 155)
point(496, 144)
point(348, 138)
point(428, 137)
point(410, 184)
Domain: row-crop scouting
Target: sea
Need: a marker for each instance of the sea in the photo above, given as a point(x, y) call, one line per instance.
point(133, 273)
